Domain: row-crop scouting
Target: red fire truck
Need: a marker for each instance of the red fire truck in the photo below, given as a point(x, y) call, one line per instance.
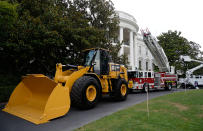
point(146, 80)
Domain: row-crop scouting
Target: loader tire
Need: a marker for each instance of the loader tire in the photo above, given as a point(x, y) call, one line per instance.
point(85, 92)
point(120, 90)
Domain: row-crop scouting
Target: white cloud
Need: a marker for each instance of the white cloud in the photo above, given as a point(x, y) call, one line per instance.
point(163, 15)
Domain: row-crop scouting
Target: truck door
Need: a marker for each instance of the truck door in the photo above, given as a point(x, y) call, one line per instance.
point(101, 62)
point(157, 81)
point(104, 62)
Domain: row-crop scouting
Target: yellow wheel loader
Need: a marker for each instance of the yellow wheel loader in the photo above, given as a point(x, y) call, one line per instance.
point(39, 99)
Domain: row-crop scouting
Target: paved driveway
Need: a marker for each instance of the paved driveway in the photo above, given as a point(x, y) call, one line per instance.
point(76, 118)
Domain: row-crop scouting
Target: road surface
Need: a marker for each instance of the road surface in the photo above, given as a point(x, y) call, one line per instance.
point(76, 118)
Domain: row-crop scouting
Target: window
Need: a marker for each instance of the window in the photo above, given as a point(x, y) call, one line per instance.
point(157, 75)
point(197, 77)
point(104, 60)
point(88, 57)
point(136, 74)
point(145, 74)
point(140, 74)
point(149, 74)
point(97, 66)
point(140, 65)
point(147, 66)
point(115, 67)
point(133, 74)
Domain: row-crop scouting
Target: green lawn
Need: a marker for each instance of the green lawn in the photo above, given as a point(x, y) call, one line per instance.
point(182, 111)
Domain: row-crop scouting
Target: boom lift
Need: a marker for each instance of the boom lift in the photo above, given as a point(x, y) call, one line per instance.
point(38, 98)
point(190, 78)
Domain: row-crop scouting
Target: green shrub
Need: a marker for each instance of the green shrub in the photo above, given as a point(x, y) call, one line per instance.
point(5, 92)
point(6, 80)
point(7, 84)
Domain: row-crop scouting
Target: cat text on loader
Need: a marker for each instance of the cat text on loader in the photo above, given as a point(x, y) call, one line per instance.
point(38, 98)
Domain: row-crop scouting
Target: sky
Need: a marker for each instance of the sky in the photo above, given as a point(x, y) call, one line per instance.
point(163, 15)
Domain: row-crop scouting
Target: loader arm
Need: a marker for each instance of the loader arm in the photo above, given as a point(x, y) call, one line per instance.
point(71, 78)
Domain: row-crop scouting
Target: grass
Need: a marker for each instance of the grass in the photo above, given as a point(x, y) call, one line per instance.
point(182, 111)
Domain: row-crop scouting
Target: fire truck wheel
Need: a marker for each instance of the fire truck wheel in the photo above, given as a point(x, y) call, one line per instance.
point(168, 86)
point(176, 84)
point(146, 87)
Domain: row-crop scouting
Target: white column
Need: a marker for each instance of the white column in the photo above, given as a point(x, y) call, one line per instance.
point(136, 52)
point(150, 64)
point(131, 51)
point(121, 39)
point(144, 64)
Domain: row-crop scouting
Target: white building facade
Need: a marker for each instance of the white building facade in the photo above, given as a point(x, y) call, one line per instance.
point(139, 57)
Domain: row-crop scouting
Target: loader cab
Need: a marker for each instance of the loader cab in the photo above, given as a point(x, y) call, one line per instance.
point(98, 59)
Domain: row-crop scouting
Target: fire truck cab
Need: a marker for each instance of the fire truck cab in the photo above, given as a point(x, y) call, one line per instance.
point(142, 80)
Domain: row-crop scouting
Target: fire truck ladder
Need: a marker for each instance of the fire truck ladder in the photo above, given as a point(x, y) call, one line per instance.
point(156, 51)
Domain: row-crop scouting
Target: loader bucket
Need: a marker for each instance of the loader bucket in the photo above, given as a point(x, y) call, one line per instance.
point(38, 99)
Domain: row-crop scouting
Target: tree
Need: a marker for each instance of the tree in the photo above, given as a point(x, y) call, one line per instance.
point(102, 25)
point(176, 45)
point(34, 45)
point(48, 32)
point(8, 18)
point(194, 50)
